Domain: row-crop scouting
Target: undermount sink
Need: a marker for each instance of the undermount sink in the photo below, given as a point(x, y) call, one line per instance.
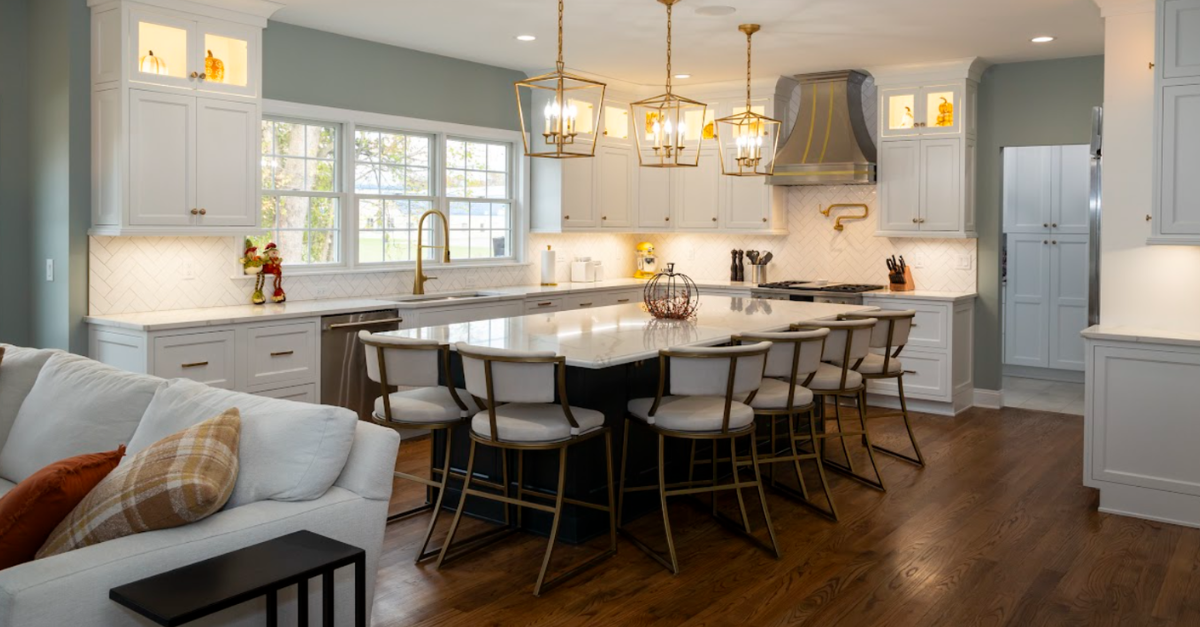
point(434, 298)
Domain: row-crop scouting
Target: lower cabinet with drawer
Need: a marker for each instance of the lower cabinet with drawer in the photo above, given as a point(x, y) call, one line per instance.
point(938, 368)
point(279, 359)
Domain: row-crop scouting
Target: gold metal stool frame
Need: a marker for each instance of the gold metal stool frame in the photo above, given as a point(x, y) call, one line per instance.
point(888, 356)
point(559, 497)
point(691, 487)
point(859, 394)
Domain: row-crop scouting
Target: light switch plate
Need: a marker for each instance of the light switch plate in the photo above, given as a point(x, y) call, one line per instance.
point(49, 269)
point(964, 262)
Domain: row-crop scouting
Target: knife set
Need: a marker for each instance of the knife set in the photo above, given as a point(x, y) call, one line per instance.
point(900, 277)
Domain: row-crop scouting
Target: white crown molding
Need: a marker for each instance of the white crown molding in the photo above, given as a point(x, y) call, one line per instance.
point(1113, 8)
point(253, 12)
point(970, 68)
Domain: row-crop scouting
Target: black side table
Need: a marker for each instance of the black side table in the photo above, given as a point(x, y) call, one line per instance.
point(186, 594)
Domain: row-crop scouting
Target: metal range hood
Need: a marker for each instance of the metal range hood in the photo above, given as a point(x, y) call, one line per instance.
point(830, 142)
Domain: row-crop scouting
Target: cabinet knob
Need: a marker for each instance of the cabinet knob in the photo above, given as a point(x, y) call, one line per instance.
point(914, 220)
point(1045, 242)
point(603, 217)
point(1054, 242)
point(1045, 225)
point(1054, 225)
point(764, 219)
point(203, 76)
point(1152, 65)
point(204, 212)
point(195, 212)
point(195, 75)
point(1148, 217)
point(668, 218)
point(566, 217)
point(714, 219)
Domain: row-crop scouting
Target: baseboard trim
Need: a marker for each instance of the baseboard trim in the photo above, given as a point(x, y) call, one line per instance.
point(989, 399)
point(1043, 374)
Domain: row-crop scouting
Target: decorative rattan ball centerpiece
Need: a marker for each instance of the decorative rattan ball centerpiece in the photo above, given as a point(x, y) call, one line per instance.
point(671, 296)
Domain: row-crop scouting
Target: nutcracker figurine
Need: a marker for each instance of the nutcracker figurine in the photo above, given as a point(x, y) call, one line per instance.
point(252, 264)
point(273, 264)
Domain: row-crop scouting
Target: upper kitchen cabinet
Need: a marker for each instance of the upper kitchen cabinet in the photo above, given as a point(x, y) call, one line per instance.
point(1176, 217)
point(1047, 189)
point(927, 151)
point(175, 116)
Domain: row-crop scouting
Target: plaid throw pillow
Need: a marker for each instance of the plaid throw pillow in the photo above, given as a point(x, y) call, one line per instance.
point(179, 480)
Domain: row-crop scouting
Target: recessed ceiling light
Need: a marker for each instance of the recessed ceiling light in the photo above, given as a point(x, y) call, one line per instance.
point(526, 37)
point(1042, 39)
point(716, 10)
point(682, 76)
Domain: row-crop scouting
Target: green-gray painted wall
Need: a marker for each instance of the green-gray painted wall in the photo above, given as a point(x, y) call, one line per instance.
point(59, 170)
point(319, 68)
point(14, 174)
point(1038, 103)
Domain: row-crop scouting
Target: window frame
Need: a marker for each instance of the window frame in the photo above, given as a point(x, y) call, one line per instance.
point(349, 122)
point(510, 196)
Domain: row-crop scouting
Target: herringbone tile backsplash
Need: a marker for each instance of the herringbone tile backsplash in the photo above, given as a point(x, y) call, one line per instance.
point(136, 274)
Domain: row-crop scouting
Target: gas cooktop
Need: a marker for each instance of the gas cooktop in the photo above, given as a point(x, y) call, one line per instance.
point(809, 286)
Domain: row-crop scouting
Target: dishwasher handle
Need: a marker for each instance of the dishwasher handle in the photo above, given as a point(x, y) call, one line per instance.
point(365, 323)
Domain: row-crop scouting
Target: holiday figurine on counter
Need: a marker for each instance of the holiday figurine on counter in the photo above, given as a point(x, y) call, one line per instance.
point(273, 264)
point(252, 264)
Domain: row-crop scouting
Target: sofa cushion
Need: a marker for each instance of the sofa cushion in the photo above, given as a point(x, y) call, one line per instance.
point(76, 406)
point(181, 479)
point(38, 504)
point(17, 374)
point(6, 486)
point(289, 451)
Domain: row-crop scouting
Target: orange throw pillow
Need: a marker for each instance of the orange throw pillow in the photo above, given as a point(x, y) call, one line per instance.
point(32, 509)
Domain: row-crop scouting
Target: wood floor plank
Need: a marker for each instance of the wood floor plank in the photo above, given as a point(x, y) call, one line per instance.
point(996, 530)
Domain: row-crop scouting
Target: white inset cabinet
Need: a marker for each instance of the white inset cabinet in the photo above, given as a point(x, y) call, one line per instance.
point(927, 151)
point(697, 194)
point(615, 186)
point(1046, 189)
point(1176, 218)
point(175, 118)
point(1046, 300)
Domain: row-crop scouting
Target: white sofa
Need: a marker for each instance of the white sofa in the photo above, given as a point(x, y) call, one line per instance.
point(302, 467)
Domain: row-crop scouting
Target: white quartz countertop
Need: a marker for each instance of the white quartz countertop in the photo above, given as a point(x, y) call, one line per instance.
point(215, 316)
point(1142, 335)
point(923, 295)
point(610, 336)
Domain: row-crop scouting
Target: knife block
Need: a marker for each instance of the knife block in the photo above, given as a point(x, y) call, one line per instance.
point(907, 286)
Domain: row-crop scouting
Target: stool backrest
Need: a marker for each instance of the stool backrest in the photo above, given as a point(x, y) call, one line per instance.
point(794, 355)
point(496, 376)
point(405, 362)
point(848, 342)
point(727, 372)
point(892, 329)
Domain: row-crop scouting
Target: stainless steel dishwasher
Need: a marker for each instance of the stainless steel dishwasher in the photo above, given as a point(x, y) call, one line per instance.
point(344, 381)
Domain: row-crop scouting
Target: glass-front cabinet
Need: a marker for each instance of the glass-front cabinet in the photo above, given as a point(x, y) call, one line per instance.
point(933, 110)
point(202, 56)
point(616, 122)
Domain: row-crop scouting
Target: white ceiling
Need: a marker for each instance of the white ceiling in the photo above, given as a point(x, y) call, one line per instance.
point(625, 39)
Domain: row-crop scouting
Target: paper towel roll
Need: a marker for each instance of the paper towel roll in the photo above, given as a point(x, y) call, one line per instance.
point(549, 267)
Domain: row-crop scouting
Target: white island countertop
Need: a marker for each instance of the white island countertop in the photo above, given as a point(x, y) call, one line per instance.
point(1142, 335)
point(611, 336)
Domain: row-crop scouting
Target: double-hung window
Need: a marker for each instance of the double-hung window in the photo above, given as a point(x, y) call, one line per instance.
point(479, 192)
point(393, 186)
point(301, 191)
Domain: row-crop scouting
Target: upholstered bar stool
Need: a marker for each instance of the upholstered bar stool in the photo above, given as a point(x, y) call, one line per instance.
point(517, 389)
point(413, 366)
point(889, 336)
point(792, 364)
point(701, 402)
point(846, 346)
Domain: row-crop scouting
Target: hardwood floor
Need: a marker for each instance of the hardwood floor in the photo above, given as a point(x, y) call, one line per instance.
point(997, 530)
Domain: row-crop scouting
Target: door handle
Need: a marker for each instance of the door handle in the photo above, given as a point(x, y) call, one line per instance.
point(368, 323)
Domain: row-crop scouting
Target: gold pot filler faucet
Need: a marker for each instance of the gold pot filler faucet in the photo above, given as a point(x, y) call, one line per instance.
point(420, 279)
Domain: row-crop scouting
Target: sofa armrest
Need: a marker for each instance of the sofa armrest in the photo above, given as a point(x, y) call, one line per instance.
point(368, 470)
point(72, 588)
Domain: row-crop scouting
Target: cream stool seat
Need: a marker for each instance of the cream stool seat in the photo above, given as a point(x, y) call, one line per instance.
point(828, 378)
point(873, 363)
point(535, 423)
point(773, 394)
point(426, 405)
point(692, 414)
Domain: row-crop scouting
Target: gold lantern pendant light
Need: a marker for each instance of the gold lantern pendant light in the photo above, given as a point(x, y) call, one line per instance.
point(153, 65)
point(748, 139)
point(669, 128)
point(570, 106)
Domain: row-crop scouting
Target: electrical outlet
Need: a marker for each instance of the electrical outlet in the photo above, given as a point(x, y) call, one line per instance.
point(189, 272)
point(321, 291)
point(916, 260)
point(49, 269)
point(964, 262)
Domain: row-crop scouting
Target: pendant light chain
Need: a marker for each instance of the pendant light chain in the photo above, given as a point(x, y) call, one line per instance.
point(749, 36)
point(560, 36)
point(669, 48)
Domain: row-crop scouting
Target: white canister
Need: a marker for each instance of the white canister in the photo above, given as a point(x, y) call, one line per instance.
point(583, 271)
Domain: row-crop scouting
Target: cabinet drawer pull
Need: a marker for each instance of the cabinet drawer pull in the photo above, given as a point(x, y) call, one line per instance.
point(197, 364)
point(585, 304)
point(622, 301)
point(545, 304)
point(914, 325)
point(367, 323)
point(283, 353)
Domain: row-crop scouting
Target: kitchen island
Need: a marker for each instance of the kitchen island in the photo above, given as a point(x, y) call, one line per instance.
point(611, 355)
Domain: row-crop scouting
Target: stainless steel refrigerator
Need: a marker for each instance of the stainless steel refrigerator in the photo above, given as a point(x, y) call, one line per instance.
point(1095, 211)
